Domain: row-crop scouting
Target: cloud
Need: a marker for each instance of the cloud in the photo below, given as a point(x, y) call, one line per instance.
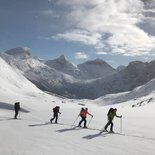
point(101, 53)
point(81, 55)
point(91, 20)
point(82, 36)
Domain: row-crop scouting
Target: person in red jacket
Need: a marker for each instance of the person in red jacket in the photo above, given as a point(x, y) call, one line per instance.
point(83, 114)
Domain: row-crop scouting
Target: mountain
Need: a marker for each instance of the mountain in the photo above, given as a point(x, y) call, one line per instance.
point(135, 74)
point(15, 87)
point(89, 70)
point(52, 75)
point(90, 80)
point(36, 136)
point(138, 93)
point(95, 69)
point(119, 68)
point(19, 52)
point(43, 76)
point(61, 64)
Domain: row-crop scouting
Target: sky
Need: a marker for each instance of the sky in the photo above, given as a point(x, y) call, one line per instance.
point(117, 31)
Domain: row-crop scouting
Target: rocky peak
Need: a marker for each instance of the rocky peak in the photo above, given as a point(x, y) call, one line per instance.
point(19, 52)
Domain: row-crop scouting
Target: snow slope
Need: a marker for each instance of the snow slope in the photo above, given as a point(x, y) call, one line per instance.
point(33, 136)
point(138, 92)
point(14, 87)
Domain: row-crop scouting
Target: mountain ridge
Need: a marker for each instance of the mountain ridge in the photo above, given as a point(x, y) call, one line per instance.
point(91, 79)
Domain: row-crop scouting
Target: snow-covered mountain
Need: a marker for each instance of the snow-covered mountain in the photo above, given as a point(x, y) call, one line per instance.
point(63, 65)
point(38, 136)
point(19, 52)
point(89, 70)
point(33, 134)
point(91, 79)
point(95, 69)
point(57, 76)
point(15, 87)
point(43, 76)
point(136, 94)
point(135, 74)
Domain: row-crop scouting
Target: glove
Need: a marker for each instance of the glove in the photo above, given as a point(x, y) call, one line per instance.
point(92, 116)
point(121, 116)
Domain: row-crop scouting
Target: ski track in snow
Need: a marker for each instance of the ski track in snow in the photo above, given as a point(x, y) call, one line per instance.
point(32, 135)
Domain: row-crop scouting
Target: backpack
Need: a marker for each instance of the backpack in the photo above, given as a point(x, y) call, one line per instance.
point(17, 106)
point(81, 112)
point(56, 109)
point(110, 110)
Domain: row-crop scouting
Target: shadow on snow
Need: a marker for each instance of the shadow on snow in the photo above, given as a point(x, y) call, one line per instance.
point(69, 129)
point(95, 135)
point(8, 106)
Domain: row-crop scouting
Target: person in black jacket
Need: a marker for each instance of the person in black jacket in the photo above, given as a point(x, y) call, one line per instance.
point(16, 108)
point(55, 114)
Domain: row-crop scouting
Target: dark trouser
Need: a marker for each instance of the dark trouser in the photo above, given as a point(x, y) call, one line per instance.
point(16, 113)
point(55, 116)
point(109, 123)
point(83, 120)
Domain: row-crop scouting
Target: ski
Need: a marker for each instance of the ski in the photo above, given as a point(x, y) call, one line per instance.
point(89, 128)
point(117, 133)
point(109, 132)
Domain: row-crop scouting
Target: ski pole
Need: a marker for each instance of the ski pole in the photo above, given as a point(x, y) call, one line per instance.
point(19, 114)
point(89, 121)
point(75, 120)
point(121, 125)
point(59, 115)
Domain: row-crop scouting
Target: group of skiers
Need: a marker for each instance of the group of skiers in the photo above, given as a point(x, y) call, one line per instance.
point(83, 114)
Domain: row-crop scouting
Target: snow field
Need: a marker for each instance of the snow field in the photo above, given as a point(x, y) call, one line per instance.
point(32, 134)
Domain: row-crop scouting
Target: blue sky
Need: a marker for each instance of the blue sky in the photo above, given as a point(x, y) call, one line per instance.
point(117, 31)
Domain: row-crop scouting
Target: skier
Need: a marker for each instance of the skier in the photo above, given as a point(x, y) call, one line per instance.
point(16, 108)
point(83, 114)
point(111, 114)
point(55, 114)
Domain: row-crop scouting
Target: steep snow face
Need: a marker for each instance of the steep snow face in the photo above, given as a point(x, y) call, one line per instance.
point(95, 69)
point(14, 86)
point(63, 65)
point(43, 76)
